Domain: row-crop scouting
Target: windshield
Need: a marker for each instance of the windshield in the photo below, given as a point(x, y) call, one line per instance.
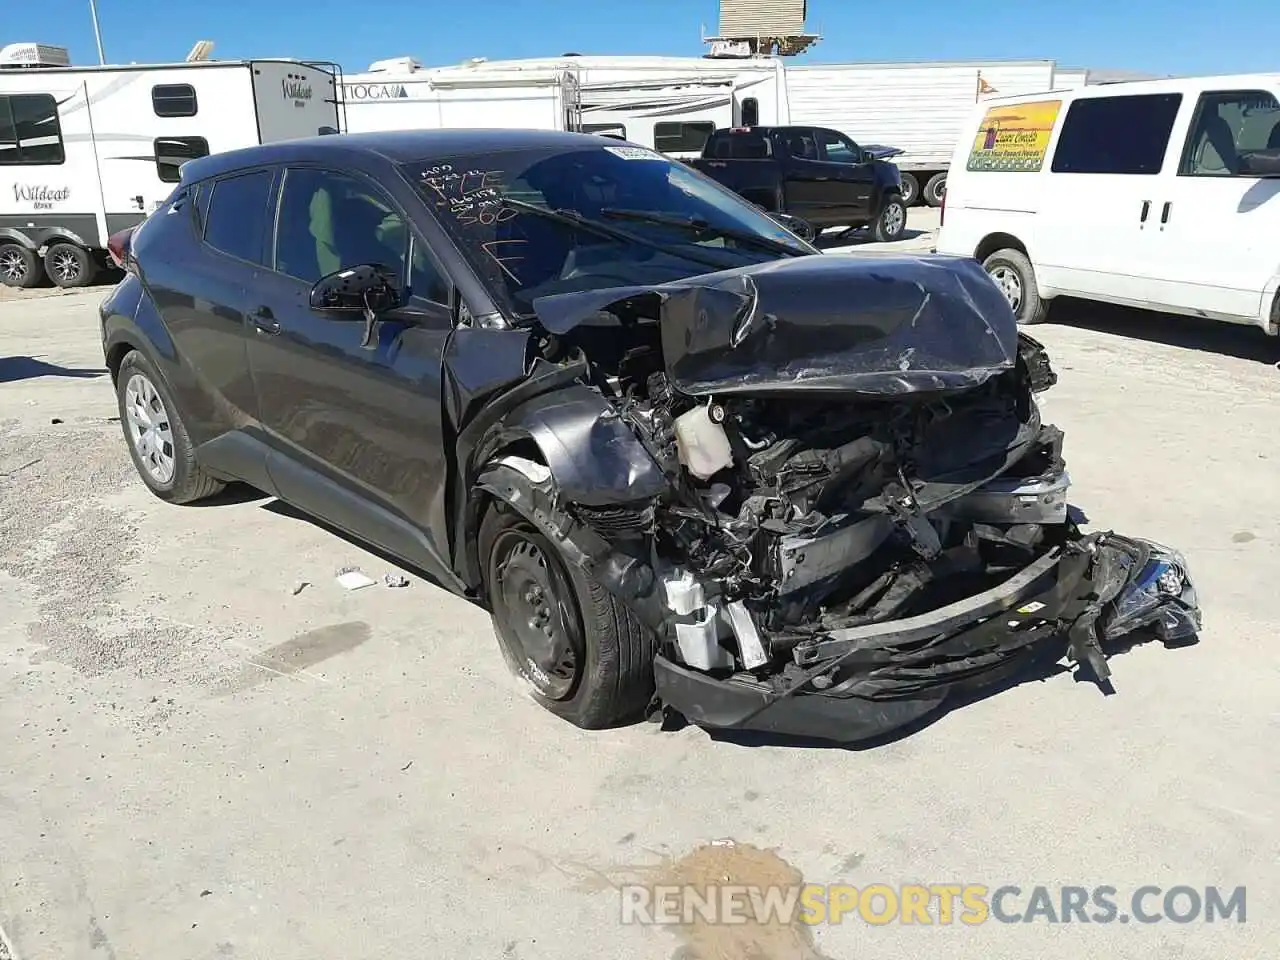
point(590, 217)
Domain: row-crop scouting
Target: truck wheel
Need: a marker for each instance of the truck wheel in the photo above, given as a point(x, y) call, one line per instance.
point(19, 267)
point(583, 654)
point(69, 265)
point(892, 222)
point(1013, 274)
point(935, 189)
point(910, 189)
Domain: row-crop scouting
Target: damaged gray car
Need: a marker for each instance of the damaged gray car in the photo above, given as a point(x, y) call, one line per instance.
point(686, 460)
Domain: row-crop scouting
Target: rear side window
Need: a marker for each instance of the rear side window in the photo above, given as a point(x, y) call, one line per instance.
point(751, 112)
point(237, 215)
point(682, 137)
point(740, 146)
point(173, 152)
point(174, 100)
point(1125, 135)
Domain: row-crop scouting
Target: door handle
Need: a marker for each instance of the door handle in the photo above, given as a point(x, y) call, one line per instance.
point(264, 321)
point(1164, 214)
point(1146, 208)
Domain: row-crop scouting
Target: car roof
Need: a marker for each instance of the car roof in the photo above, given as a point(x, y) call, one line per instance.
point(395, 146)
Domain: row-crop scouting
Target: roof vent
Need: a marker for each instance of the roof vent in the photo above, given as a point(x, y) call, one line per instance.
point(396, 65)
point(31, 56)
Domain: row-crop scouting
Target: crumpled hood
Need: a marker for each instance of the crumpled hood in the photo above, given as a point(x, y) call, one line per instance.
point(870, 325)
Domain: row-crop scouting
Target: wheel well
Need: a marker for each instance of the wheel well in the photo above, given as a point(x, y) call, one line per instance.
point(998, 241)
point(478, 504)
point(115, 357)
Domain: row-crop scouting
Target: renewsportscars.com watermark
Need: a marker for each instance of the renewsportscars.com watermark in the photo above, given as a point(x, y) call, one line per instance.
point(928, 904)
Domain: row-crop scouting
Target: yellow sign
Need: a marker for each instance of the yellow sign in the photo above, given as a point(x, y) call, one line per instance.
point(1013, 138)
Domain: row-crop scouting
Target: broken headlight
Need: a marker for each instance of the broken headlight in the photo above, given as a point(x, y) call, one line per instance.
point(1161, 595)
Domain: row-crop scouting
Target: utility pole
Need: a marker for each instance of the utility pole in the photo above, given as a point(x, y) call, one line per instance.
point(97, 31)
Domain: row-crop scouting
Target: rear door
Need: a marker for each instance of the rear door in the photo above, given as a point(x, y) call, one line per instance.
point(1098, 224)
point(356, 430)
point(1218, 252)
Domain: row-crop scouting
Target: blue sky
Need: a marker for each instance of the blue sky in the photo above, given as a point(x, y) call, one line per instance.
point(1158, 36)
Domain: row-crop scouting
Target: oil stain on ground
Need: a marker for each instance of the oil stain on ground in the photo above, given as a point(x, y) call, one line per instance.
point(299, 654)
point(715, 865)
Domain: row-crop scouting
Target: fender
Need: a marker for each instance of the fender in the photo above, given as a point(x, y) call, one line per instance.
point(129, 321)
point(22, 237)
point(35, 238)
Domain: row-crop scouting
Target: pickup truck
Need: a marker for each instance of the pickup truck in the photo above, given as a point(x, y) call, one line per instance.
point(817, 175)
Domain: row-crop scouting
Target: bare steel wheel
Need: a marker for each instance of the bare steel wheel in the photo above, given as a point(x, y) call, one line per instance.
point(149, 430)
point(1011, 271)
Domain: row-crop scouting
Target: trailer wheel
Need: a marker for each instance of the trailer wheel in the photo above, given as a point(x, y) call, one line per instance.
point(69, 265)
point(910, 189)
point(935, 189)
point(19, 267)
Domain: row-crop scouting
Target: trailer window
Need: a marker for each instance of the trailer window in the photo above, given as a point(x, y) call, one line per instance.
point(1124, 135)
point(173, 152)
point(174, 100)
point(605, 129)
point(29, 130)
point(689, 137)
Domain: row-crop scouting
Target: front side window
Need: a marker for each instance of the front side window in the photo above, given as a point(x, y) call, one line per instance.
point(173, 152)
point(1228, 125)
point(331, 221)
point(837, 148)
point(174, 100)
point(1118, 135)
point(641, 218)
point(29, 130)
point(237, 215)
point(688, 137)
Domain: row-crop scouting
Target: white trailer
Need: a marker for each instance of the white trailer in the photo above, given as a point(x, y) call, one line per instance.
point(88, 151)
point(671, 104)
point(919, 108)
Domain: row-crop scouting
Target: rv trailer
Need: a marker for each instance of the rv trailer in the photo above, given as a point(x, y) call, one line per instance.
point(88, 151)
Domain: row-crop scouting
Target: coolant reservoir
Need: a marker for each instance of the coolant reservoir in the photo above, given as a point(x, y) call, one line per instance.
point(702, 443)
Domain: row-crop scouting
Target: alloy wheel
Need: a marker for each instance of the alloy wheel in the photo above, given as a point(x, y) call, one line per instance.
point(65, 267)
point(13, 266)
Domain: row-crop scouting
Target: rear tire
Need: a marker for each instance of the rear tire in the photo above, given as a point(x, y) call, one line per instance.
point(595, 666)
point(892, 222)
point(157, 438)
point(1012, 272)
point(19, 267)
point(910, 189)
point(69, 265)
point(935, 189)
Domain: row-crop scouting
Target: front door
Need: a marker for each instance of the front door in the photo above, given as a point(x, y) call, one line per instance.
point(854, 174)
point(815, 188)
point(1217, 244)
point(356, 429)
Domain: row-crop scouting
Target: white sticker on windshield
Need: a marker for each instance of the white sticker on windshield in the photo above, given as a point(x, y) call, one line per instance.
point(634, 153)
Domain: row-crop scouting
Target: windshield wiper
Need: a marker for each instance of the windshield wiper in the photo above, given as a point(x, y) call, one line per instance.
point(700, 226)
point(573, 218)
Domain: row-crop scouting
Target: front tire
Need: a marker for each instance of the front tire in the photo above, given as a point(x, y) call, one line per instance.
point(158, 442)
point(19, 267)
point(69, 265)
point(1012, 272)
point(892, 222)
point(583, 654)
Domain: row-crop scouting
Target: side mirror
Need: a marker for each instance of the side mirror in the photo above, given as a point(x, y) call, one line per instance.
point(800, 227)
point(1260, 163)
point(368, 289)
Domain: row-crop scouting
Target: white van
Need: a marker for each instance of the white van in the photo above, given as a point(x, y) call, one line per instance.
point(1160, 194)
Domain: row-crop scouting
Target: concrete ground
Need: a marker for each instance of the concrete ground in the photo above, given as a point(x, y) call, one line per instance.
point(201, 761)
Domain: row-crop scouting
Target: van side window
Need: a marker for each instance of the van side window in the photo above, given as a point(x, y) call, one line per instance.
point(29, 130)
point(1229, 124)
point(173, 152)
point(1124, 135)
point(237, 217)
point(686, 137)
point(174, 100)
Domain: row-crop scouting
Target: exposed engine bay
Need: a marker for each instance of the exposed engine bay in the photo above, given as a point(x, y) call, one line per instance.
point(841, 544)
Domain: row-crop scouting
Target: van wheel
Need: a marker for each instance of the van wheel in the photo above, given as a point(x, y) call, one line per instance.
point(892, 222)
point(1013, 274)
point(584, 656)
point(910, 189)
point(935, 189)
point(69, 265)
point(19, 267)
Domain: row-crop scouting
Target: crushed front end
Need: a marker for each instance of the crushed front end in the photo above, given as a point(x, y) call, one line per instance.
point(864, 513)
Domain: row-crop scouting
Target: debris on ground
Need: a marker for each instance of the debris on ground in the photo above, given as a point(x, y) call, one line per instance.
point(353, 578)
point(395, 580)
point(300, 586)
